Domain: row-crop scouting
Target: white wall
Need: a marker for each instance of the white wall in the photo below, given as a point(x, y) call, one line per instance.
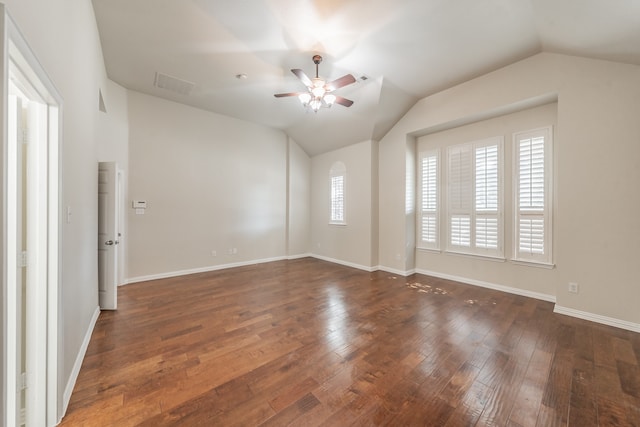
point(351, 243)
point(211, 183)
point(598, 167)
point(64, 38)
point(298, 201)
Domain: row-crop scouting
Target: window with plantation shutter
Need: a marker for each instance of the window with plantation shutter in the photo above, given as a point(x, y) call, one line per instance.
point(337, 184)
point(459, 195)
point(428, 202)
point(532, 184)
point(487, 193)
point(474, 194)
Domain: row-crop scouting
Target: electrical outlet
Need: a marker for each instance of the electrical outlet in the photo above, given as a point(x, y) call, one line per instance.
point(214, 253)
point(573, 288)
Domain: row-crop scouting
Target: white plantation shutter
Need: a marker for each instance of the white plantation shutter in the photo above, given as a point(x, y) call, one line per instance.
point(531, 173)
point(487, 197)
point(428, 202)
point(475, 197)
point(460, 178)
point(533, 195)
point(487, 179)
point(337, 198)
point(459, 195)
point(337, 201)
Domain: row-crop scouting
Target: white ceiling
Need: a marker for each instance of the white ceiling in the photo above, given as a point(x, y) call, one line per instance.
point(407, 49)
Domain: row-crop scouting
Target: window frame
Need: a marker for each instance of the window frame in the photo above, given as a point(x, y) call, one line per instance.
point(435, 212)
point(470, 210)
point(338, 170)
point(545, 259)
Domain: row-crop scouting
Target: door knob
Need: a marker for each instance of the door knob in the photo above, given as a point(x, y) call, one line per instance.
point(109, 242)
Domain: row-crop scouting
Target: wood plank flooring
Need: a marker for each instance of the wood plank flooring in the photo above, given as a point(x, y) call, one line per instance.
point(310, 343)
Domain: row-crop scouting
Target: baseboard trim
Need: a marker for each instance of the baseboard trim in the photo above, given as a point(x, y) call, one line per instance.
point(345, 263)
point(75, 371)
point(201, 270)
point(397, 272)
point(597, 318)
point(494, 286)
point(299, 256)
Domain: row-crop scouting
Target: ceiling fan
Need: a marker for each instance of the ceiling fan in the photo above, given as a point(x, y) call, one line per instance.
point(318, 92)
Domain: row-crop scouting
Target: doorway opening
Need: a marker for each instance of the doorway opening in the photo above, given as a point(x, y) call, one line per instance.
point(32, 223)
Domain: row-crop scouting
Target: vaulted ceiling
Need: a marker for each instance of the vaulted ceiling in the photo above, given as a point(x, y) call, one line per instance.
point(399, 51)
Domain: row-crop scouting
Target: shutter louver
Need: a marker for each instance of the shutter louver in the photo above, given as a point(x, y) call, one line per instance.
point(531, 232)
point(428, 229)
point(487, 233)
point(461, 231)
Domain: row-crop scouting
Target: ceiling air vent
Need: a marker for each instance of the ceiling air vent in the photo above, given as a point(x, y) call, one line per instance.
point(173, 84)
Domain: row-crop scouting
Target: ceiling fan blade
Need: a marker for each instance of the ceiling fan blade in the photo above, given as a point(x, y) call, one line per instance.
point(281, 95)
point(343, 101)
point(302, 76)
point(341, 82)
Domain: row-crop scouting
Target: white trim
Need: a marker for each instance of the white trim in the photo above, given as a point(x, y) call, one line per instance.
point(494, 286)
point(395, 271)
point(16, 49)
point(345, 263)
point(605, 320)
point(200, 270)
point(476, 256)
point(299, 256)
point(535, 264)
point(73, 377)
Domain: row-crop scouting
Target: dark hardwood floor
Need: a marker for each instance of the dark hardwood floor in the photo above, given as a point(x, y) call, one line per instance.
point(308, 343)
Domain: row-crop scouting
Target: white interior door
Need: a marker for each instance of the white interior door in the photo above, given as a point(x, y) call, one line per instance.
point(108, 235)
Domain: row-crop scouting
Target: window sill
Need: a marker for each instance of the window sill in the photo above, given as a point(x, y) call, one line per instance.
point(338, 223)
point(430, 250)
point(536, 264)
point(492, 258)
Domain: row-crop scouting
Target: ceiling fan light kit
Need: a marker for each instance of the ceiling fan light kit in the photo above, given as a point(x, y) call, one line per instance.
point(318, 94)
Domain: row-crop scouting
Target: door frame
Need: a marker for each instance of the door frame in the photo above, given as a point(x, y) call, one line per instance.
point(14, 48)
